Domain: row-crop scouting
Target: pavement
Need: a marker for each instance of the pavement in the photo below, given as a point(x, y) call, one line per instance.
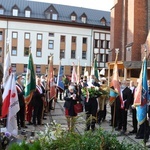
point(59, 117)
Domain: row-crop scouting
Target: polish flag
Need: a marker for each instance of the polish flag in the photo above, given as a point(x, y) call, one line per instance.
point(10, 105)
point(7, 68)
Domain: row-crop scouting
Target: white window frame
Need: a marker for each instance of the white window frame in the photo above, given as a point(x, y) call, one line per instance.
point(1, 11)
point(27, 36)
point(15, 12)
point(27, 13)
point(39, 36)
point(73, 18)
point(51, 44)
point(14, 35)
point(54, 16)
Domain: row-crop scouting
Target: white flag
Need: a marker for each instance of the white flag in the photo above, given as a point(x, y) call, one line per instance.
point(7, 68)
point(74, 75)
point(13, 108)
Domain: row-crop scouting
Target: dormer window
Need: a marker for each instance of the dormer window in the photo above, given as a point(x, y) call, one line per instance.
point(54, 16)
point(84, 18)
point(15, 10)
point(51, 13)
point(28, 12)
point(1, 10)
point(103, 21)
point(73, 16)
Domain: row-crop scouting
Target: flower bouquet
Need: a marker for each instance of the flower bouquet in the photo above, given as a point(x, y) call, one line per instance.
point(93, 92)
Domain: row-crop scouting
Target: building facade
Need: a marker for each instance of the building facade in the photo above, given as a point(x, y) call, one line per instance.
point(129, 30)
point(70, 33)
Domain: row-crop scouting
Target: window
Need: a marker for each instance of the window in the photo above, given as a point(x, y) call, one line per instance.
point(83, 54)
point(39, 36)
point(25, 68)
point(1, 35)
point(62, 54)
point(101, 57)
point(107, 44)
point(73, 18)
point(54, 16)
point(84, 40)
point(26, 51)
point(62, 39)
point(73, 39)
point(13, 67)
point(73, 54)
point(102, 43)
point(38, 69)
point(14, 35)
point(14, 51)
point(107, 57)
point(83, 19)
point(38, 52)
point(1, 11)
point(15, 12)
point(27, 13)
point(96, 43)
point(51, 34)
point(27, 36)
point(0, 51)
point(50, 44)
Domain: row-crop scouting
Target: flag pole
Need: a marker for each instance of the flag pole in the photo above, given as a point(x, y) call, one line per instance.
point(114, 113)
point(145, 122)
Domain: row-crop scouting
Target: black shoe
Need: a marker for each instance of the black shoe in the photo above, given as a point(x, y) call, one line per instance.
point(35, 124)
point(139, 137)
point(87, 129)
point(30, 123)
point(24, 127)
point(44, 118)
point(132, 132)
point(52, 108)
point(123, 132)
point(19, 128)
point(117, 129)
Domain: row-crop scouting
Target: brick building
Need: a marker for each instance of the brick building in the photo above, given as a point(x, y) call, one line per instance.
point(129, 29)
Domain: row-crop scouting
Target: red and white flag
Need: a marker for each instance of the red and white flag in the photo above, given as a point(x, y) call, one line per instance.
point(50, 79)
point(74, 74)
point(10, 105)
point(7, 68)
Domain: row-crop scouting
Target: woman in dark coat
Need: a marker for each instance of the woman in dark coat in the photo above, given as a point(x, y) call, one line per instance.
point(70, 98)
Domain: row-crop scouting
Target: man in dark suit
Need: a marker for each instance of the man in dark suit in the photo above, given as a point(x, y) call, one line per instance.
point(125, 99)
point(21, 112)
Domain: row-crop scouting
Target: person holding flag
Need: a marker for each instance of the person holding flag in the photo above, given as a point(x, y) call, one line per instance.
point(30, 87)
point(60, 84)
point(21, 113)
point(140, 102)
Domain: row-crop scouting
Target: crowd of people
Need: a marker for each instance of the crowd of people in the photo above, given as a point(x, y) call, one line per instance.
point(95, 107)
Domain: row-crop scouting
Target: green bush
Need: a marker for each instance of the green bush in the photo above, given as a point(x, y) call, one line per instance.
point(98, 140)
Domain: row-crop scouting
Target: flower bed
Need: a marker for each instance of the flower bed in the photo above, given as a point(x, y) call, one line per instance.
point(56, 138)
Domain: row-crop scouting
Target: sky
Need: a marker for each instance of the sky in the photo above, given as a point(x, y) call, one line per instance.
point(93, 4)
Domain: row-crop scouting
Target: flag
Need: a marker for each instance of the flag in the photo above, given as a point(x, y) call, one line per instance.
point(30, 84)
point(13, 107)
point(74, 75)
point(141, 105)
point(96, 72)
point(7, 68)
point(60, 83)
point(115, 85)
point(6, 97)
point(50, 79)
point(78, 72)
